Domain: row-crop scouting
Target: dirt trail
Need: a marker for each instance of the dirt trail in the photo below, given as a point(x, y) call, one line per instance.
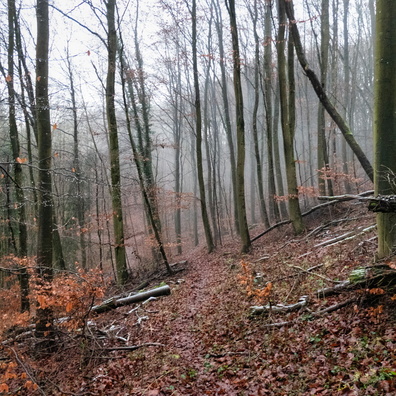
point(194, 325)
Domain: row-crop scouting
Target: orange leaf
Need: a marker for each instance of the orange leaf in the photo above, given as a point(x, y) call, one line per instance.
point(4, 388)
point(55, 126)
point(41, 301)
point(8, 78)
point(21, 160)
point(38, 78)
point(69, 306)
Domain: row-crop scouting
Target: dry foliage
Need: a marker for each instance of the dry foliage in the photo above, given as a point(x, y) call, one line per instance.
point(210, 344)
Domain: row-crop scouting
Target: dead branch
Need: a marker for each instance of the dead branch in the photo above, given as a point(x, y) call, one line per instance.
point(313, 209)
point(334, 307)
point(308, 271)
point(316, 314)
point(365, 196)
point(331, 291)
point(302, 302)
point(345, 237)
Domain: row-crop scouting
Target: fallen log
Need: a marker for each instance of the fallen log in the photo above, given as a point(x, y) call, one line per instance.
point(135, 298)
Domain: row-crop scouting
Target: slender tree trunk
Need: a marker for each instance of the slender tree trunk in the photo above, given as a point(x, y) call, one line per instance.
point(44, 323)
point(240, 125)
point(15, 146)
point(118, 224)
point(277, 157)
point(323, 155)
point(269, 116)
point(198, 131)
point(79, 199)
point(347, 88)
point(385, 121)
point(226, 109)
point(147, 199)
point(287, 104)
point(259, 169)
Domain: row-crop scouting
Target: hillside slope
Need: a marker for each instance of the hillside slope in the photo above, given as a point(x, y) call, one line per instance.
point(202, 340)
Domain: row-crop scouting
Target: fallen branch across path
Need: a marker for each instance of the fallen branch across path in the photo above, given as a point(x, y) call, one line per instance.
point(135, 298)
point(313, 209)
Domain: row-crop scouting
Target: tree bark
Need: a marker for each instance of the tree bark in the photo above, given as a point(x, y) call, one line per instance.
point(44, 324)
point(118, 223)
point(385, 121)
point(15, 146)
point(198, 131)
point(240, 125)
point(287, 104)
point(259, 169)
point(135, 298)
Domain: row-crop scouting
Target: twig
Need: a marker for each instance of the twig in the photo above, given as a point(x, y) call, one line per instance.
point(68, 393)
point(334, 307)
point(220, 355)
point(281, 324)
point(132, 347)
point(329, 291)
point(27, 371)
point(313, 273)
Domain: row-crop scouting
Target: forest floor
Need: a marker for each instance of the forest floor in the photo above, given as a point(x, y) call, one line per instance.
point(202, 340)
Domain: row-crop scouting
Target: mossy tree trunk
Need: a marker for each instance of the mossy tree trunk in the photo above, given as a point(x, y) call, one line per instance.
point(287, 105)
point(385, 120)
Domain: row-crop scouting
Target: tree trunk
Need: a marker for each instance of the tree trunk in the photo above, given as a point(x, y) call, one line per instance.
point(259, 170)
point(15, 146)
point(226, 109)
point(323, 153)
point(44, 324)
point(287, 104)
point(385, 120)
point(198, 117)
point(79, 199)
point(118, 224)
point(240, 125)
point(270, 117)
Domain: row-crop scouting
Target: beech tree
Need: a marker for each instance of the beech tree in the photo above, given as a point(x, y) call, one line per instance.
point(118, 223)
point(45, 245)
point(240, 128)
point(287, 104)
point(385, 121)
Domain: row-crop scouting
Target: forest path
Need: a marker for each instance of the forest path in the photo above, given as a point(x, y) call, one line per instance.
point(201, 331)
